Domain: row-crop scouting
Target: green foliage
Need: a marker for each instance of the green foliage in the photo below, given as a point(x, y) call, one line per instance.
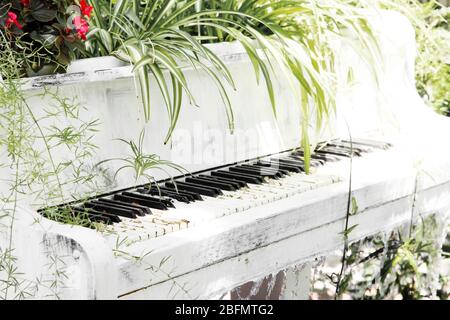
point(141, 163)
point(391, 266)
point(433, 64)
point(431, 22)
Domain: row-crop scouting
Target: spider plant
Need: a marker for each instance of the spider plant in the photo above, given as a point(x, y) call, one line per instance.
point(304, 27)
point(286, 37)
point(141, 162)
point(156, 36)
point(148, 34)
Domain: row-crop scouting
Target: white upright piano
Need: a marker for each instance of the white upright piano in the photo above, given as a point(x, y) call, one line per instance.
point(248, 210)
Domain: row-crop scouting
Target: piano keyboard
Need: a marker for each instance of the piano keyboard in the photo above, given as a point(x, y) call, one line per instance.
point(154, 210)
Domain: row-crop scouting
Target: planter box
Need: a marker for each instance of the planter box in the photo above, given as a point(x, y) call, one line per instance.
point(95, 64)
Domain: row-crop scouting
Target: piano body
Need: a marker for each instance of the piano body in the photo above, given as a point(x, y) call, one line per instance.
point(244, 228)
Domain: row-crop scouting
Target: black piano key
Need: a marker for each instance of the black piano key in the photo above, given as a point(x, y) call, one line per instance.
point(338, 152)
point(203, 190)
point(271, 165)
point(348, 146)
point(254, 172)
point(100, 219)
point(319, 157)
point(161, 191)
point(195, 196)
point(277, 164)
point(96, 216)
point(167, 202)
point(169, 194)
point(292, 162)
point(335, 153)
point(98, 206)
point(280, 172)
point(300, 159)
point(114, 218)
point(142, 210)
point(236, 183)
point(370, 143)
point(211, 183)
point(238, 176)
point(136, 211)
point(143, 202)
point(264, 170)
point(346, 149)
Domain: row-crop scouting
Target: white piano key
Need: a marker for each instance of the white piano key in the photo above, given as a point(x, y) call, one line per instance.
point(268, 193)
point(160, 219)
point(138, 233)
point(198, 211)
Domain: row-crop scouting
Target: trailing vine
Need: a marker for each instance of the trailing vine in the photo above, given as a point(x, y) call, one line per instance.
point(33, 172)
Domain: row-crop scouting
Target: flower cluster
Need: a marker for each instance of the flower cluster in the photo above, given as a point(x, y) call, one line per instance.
point(52, 30)
point(12, 19)
point(80, 23)
point(20, 13)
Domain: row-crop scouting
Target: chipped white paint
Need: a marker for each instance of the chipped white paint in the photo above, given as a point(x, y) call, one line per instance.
point(86, 266)
point(298, 283)
point(285, 233)
point(222, 253)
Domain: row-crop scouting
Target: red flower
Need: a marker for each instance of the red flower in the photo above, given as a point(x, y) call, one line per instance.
point(85, 8)
point(25, 3)
point(81, 26)
point(12, 19)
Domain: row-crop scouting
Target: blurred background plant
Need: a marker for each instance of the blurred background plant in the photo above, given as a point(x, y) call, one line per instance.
point(433, 64)
point(394, 265)
point(431, 21)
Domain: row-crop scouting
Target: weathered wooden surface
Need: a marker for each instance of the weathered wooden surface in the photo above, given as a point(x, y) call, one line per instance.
point(284, 233)
point(59, 262)
point(208, 260)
